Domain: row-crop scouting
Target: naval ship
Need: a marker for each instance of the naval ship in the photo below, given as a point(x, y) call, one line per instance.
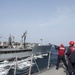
point(11, 51)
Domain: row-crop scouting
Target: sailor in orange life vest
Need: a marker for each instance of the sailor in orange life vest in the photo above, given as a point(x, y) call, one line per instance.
point(71, 58)
point(61, 55)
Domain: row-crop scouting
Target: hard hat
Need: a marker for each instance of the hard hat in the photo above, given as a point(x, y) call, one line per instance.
point(62, 45)
point(71, 42)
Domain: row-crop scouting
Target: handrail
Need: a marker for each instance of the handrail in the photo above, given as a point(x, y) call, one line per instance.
point(28, 70)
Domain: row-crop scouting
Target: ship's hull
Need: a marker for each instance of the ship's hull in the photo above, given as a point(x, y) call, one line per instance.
point(6, 54)
point(10, 53)
point(41, 49)
point(14, 55)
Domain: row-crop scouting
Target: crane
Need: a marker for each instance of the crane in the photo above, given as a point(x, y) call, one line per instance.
point(11, 39)
point(24, 37)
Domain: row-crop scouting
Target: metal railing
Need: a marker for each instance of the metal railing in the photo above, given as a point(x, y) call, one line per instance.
point(31, 59)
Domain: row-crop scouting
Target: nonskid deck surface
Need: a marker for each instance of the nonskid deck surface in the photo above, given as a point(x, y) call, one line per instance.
point(53, 71)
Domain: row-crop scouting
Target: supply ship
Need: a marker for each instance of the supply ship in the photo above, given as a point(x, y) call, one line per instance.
point(12, 50)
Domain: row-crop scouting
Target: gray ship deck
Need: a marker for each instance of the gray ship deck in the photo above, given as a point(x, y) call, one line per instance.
point(53, 71)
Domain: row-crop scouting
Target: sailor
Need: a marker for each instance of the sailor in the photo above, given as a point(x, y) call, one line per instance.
point(71, 58)
point(61, 55)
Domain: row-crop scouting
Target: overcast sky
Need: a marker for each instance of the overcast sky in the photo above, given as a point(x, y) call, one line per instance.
point(50, 20)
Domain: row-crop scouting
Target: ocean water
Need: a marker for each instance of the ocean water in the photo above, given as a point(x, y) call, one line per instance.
point(41, 62)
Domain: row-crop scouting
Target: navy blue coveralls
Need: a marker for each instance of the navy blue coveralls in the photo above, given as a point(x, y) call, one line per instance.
point(71, 60)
